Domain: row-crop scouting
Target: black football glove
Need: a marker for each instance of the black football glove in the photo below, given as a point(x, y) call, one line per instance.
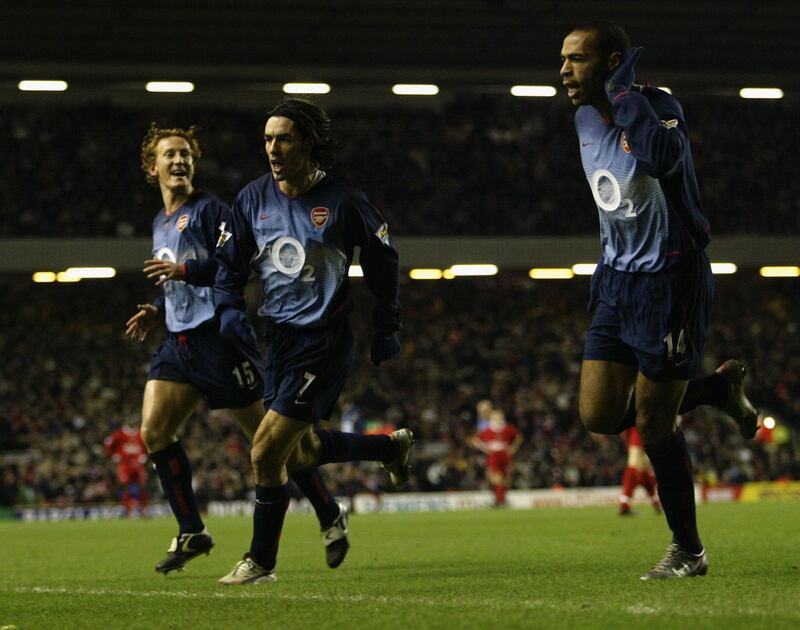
point(383, 348)
point(621, 79)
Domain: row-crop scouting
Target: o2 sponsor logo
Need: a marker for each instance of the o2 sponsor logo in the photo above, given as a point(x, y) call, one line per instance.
point(607, 194)
point(289, 257)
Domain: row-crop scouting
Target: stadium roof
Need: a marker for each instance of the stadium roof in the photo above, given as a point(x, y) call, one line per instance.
point(116, 44)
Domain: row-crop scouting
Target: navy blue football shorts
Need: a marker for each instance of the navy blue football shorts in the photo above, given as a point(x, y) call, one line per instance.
point(226, 378)
point(307, 368)
point(657, 321)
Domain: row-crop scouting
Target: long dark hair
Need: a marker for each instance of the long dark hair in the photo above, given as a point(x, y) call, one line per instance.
point(314, 126)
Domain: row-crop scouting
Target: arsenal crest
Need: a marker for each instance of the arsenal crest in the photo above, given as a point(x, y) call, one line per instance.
point(182, 221)
point(319, 216)
point(625, 146)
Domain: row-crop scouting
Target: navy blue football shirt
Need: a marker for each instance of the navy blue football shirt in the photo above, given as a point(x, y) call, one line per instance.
point(301, 248)
point(189, 235)
point(642, 177)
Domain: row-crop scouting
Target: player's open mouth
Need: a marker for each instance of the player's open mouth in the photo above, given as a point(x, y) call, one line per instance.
point(572, 89)
point(178, 173)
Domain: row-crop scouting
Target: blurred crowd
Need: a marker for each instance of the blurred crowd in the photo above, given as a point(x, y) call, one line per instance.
point(476, 165)
point(69, 377)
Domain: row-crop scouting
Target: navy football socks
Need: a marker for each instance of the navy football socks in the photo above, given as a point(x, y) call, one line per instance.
point(271, 505)
point(713, 389)
point(350, 447)
point(673, 468)
point(175, 474)
point(313, 486)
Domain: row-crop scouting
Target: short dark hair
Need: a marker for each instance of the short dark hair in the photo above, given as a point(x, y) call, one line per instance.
point(314, 126)
point(608, 37)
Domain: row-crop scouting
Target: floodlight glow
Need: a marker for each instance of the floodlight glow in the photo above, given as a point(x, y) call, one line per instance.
point(761, 93)
point(474, 270)
point(533, 90)
point(664, 88)
point(768, 423)
point(448, 275)
point(723, 269)
point(44, 276)
point(91, 272)
point(169, 86)
point(425, 274)
point(355, 271)
point(788, 271)
point(554, 273)
point(584, 269)
point(415, 89)
point(42, 86)
point(306, 88)
point(63, 276)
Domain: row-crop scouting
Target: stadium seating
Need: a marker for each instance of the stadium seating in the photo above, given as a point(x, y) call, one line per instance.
point(480, 165)
point(69, 377)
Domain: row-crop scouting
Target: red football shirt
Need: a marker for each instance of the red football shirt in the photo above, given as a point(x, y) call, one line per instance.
point(126, 447)
point(498, 441)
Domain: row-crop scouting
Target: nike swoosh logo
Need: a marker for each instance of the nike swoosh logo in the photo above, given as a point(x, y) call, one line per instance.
point(586, 144)
point(333, 536)
point(682, 571)
point(300, 402)
point(274, 502)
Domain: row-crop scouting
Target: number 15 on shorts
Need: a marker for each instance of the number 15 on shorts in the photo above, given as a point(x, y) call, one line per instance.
point(245, 375)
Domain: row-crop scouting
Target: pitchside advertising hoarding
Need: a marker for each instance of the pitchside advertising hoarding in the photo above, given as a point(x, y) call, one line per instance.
point(770, 491)
point(766, 491)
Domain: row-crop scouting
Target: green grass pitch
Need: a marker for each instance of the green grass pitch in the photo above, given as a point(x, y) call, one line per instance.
point(545, 568)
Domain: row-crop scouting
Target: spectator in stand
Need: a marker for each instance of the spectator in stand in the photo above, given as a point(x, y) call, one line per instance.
point(483, 411)
point(51, 150)
point(59, 417)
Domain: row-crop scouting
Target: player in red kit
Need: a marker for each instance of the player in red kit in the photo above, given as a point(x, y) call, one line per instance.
point(125, 447)
point(499, 441)
point(638, 472)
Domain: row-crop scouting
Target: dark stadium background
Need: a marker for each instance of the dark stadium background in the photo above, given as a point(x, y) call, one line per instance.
point(472, 175)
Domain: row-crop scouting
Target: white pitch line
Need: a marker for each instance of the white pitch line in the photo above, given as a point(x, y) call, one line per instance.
point(228, 593)
point(640, 609)
point(260, 593)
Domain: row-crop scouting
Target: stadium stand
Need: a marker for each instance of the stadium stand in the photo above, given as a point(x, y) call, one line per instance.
point(69, 377)
point(477, 165)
